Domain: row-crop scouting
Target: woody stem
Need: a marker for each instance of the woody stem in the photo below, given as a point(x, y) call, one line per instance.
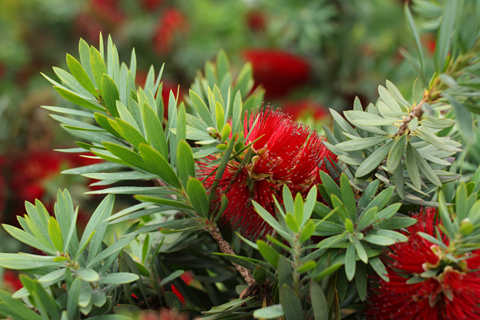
point(226, 248)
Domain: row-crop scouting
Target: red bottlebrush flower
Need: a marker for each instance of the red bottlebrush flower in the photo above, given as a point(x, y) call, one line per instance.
point(451, 292)
point(187, 277)
point(163, 314)
point(305, 109)
point(256, 21)
point(278, 71)
point(150, 5)
point(107, 11)
point(172, 22)
point(11, 282)
point(286, 153)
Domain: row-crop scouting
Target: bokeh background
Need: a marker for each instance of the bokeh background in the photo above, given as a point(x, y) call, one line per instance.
point(308, 55)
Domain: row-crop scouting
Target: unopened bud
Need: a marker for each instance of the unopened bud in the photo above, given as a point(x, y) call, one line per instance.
point(222, 146)
point(213, 132)
point(466, 227)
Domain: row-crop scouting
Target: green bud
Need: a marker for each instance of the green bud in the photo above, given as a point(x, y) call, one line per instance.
point(466, 227)
point(222, 146)
point(212, 132)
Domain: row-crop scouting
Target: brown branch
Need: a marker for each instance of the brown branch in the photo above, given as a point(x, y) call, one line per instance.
point(226, 248)
point(417, 112)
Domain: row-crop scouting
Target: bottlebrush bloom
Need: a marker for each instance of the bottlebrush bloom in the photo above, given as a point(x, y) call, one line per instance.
point(304, 109)
point(278, 71)
point(449, 290)
point(171, 23)
point(286, 153)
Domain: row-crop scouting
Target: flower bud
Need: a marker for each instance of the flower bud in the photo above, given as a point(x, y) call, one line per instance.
point(213, 132)
point(466, 227)
point(222, 146)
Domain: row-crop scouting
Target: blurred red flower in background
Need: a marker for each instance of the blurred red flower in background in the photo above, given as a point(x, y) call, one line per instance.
point(11, 282)
point(286, 153)
point(305, 109)
point(256, 21)
point(171, 23)
point(26, 175)
point(452, 291)
point(151, 4)
point(277, 71)
point(108, 11)
point(187, 277)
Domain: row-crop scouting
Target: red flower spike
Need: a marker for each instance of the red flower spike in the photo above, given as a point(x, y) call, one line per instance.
point(285, 153)
point(453, 293)
point(278, 71)
point(172, 23)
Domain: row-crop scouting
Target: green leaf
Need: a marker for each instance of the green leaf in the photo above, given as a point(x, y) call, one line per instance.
point(154, 130)
point(85, 298)
point(88, 275)
point(412, 166)
point(379, 240)
point(445, 34)
point(288, 199)
point(110, 94)
point(298, 209)
point(367, 218)
point(361, 280)
point(27, 238)
point(73, 295)
point(291, 305)
point(201, 108)
point(414, 32)
point(81, 75)
point(330, 186)
point(269, 253)
point(185, 162)
point(98, 66)
point(374, 160)
point(350, 262)
point(444, 214)
point(292, 222)
point(348, 197)
point(395, 223)
point(307, 266)
point(159, 165)
point(377, 265)
point(114, 249)
point(328, 271)
point(396, 153)
point(425, 168)
point(119, 278)
point(84, 51)
point(271, 312)
point(198, 197)
point(362, 254)
point(55, 234)
point(319, 302)
point(77, 99)
point(368, 119)
point(171, 277)
point(307, 231)
point(15, 307)
point(464, 118)
point(360, 144)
